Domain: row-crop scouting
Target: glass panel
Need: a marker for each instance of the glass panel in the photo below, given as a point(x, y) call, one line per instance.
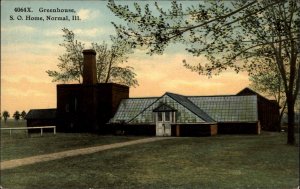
point(130, 108)
point(228, 108)
point(159, 116)
point(167, 116)
point(184, 115)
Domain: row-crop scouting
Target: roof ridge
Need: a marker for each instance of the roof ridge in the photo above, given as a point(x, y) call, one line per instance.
point(162, 104)
point(255, 93)
point(204, 115)
point(144, 109)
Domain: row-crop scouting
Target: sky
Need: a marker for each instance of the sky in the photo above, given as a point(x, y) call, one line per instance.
point(30, 47)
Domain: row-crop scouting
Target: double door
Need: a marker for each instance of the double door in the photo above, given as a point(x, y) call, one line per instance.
point(163, 123)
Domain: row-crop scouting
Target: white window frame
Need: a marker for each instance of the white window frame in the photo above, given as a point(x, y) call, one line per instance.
point(162, 117)
point(172, 117)
point(165, 116)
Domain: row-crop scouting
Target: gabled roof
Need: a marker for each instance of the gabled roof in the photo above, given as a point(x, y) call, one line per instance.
point(248, 91)
point(41, 114)
point(184, 101)
point(131, 107)
point(140, 110)
point(164, 108)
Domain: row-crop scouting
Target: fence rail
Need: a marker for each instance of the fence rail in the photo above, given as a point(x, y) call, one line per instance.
point(27, 128)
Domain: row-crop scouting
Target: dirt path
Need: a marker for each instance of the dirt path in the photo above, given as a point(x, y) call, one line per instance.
point(82, 151)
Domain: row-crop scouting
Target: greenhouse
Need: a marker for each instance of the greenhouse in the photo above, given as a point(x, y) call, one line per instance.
point(178, 115)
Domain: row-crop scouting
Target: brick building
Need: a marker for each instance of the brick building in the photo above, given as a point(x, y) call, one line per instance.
point(87, 107)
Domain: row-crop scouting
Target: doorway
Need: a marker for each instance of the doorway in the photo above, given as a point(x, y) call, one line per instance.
point(163, 123)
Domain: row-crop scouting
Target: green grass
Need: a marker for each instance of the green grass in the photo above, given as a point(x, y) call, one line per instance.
point(263, 161)
point(19, 145)
point(13, 123)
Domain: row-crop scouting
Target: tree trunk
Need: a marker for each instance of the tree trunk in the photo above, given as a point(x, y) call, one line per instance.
point(291, 117)
point(281, 115)
point(109, 68)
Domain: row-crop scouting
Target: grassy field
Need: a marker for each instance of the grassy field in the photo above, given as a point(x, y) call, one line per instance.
point(247, 161)
point(13, 123)
point(19, 145)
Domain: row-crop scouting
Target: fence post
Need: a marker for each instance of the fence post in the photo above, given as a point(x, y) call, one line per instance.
point(41, 131)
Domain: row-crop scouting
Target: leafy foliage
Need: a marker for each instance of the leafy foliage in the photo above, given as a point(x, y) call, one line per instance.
point(23, 114)
point(5, 115)
point(108, 62)
point(267, 80)
point(17, 115)
point(70, 63)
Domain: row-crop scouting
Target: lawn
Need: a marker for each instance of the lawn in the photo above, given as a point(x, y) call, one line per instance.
point(19, 145)
point(242, 161)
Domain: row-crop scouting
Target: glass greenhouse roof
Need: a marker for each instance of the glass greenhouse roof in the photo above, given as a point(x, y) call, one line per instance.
point(228, 108)
point(193, 109)
point(186, 112)
point(131, 107)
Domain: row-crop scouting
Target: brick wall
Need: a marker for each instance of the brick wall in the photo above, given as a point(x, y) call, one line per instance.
point(87, 108)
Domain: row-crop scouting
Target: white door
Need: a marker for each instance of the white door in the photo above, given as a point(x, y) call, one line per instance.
point(163, 124)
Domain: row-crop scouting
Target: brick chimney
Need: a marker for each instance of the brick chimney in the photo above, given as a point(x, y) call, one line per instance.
point(89, 67)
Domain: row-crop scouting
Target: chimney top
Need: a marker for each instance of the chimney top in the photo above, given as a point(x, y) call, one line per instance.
point(89, 67)
point(89, 51)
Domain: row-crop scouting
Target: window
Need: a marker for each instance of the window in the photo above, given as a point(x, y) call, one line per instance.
point(167, 116)
point(159, 116)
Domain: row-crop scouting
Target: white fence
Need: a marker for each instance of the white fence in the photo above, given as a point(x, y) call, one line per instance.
point(27, 128)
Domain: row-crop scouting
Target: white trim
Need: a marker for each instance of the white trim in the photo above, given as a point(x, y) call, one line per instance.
point(27, 128)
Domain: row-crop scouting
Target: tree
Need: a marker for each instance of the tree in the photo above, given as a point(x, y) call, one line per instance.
point(5, 115)
point(267, 80)
point(231, 35)
point(108, 61)
point(17, 115)
point(23, 114)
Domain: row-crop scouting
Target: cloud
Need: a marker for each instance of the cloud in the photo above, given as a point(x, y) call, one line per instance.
point(55, 32)
point(44, 48)
point(85, 14)
point(88, 32)
point(23, 28)
point(89, 35)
